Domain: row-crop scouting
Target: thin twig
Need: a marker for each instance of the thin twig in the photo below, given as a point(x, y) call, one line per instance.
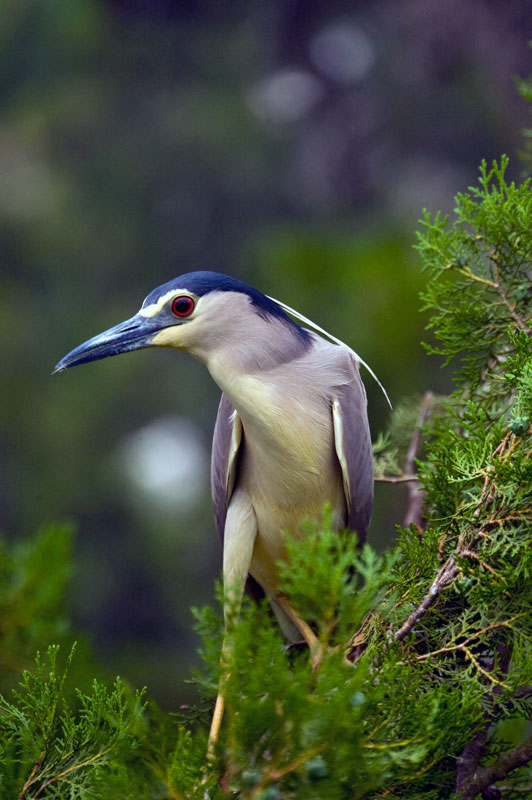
point(416, 495)
point(481, 669)
point(470, 554)
point(279, 773)
point(61, 776)
point(31, 776)
point(517, 789)
point(397, 479)
point(453, 647)
point(502, 294)
point(358, 642)
point(471, 275)
point(444, 576)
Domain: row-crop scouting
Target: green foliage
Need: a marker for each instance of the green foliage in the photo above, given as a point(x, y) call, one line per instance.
point(478, 274)
point(49, 749)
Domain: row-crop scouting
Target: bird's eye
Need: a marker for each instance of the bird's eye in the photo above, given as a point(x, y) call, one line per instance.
point(182, 306)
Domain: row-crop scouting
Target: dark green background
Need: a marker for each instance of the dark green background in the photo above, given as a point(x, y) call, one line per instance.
point(292, 144)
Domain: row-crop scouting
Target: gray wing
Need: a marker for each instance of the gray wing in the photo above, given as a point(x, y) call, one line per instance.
point(352, 441)
point(224, 460)
point(224, 465)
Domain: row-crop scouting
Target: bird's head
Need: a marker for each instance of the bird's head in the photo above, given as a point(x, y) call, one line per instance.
point(195, 312)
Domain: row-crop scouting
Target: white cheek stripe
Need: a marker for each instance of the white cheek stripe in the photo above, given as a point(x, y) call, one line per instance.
point(154, 308)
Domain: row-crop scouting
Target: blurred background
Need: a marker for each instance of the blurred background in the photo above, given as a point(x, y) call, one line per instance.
point(292, 144)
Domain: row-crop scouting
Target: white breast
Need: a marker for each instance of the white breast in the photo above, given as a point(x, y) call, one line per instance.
point(288, 465)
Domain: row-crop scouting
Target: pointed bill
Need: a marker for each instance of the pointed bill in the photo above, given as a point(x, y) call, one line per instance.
point(132, 334)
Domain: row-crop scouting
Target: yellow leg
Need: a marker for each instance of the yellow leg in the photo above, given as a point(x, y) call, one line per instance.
point(239, 540)
point(215, 725)
point(305, 630)
point(219, 706)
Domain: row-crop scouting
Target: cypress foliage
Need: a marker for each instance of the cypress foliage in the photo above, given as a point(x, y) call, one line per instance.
point(421, 685)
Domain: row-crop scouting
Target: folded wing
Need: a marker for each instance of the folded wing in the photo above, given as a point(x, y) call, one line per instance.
point(224, 460)
point(353, 447)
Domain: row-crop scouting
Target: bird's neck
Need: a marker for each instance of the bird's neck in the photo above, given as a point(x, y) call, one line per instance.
point(261, 391)
point(252, 350)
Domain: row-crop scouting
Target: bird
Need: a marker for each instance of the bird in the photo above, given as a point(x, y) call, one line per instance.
point(291, 433)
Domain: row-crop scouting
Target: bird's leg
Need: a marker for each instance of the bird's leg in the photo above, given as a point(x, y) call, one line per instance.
point(304, 628)
point(239, 539)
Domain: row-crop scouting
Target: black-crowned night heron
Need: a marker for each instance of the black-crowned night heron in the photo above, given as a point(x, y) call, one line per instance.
point(292, 429)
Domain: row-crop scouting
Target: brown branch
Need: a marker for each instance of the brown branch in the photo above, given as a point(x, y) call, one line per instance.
point(467, 763)
point(484, 777)
point(444, 576)
point(359, 642)
point(416, 495)
point(396, 479)
point(31, 776)
point(450, 569)
point(62, 775)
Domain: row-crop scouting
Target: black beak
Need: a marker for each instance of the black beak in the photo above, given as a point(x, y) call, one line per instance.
point(133, 334)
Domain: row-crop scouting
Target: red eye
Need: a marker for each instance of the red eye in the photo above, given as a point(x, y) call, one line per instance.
point(182, 306)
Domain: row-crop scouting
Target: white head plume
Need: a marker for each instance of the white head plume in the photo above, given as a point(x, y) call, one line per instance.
point(313, 326)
